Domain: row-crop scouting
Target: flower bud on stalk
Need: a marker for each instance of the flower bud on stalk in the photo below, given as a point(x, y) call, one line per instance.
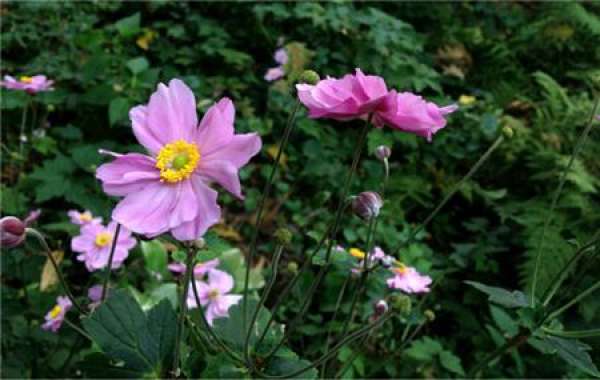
point(383, 152)
point(367, 204)
point(283, 236)
point(12, 232)
point(292, 267)
point(508, 132)
point(429, 314)
point(380, 307)
point(309, 77)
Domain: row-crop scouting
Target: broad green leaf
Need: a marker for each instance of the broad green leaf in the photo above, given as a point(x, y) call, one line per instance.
point(155, 257)
point(279, 366)
point(129, 26)
point(118, 110)
point(575, 353)
point(451, 362)
point(502, 296)
point(424, 349)
point(137, 65)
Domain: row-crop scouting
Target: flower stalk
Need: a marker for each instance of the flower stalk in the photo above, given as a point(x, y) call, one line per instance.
point(110, 261)
point(182, 308)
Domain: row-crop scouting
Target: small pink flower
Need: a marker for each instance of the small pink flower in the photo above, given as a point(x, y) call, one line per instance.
point(214, 295)
point(168, 190)
point(81, 218)
point(274, 73)
point(200, 269)
point(281, 56)
point(353, 96)
point(32, 85)
point(56, 316)
point(95, 296)
point(373, 258)
point(411, 113)
point(408, 280)
point(95, 242)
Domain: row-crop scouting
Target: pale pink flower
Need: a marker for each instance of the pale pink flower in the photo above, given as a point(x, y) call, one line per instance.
point(408, 280)
point(281, 56)
point(95, 296)
point(56, 316)
point(274, 73)
point(81, 218)
point(213, 295)
point(32, 85)
point(353, 96)
point(200, 269)
point(168, 190)
point(95, 242)
point(411, 113)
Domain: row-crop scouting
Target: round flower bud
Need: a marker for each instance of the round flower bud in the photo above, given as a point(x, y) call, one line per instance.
point(283, 236)
point(292, 267)
point(380, 307)
point(383, 152)
point(199, 243)
point(12, 232)
point(508, 132)
point(309, 77)
point(387, 261)
point(429, 314)
point(401, 303)
point(367, 204)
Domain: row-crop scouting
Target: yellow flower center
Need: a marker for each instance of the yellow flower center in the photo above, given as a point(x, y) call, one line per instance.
point(466, 100)
point(103, 239)
point(213, 294)
point(400, 269)
point(26, 79)
point(55, 311)
point(85, 217)
point(357, 253)
point(177, 161)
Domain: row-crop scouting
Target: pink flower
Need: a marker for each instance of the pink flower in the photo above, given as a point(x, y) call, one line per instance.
point(95, 296)
point(214, 295)
point(274, 73)
point(200, 269)
point(411, 113)
point(281, 56)
point(32, 85)
point(168, 190)
point(95, 242)
point(56, 316)
point(81, 218)
point(408, 280)
point(351, 97)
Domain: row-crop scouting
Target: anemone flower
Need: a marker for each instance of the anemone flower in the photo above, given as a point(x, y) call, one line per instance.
point(95, 242)
point(408, 280)
point(31, 85)
point(214, 295)
point(168, 189)
point(56, 316)
point(81, 218)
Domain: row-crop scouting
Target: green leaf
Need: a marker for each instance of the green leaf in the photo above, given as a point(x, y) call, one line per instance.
point(118, 110)
point(137, 65)
point(575, 353)
point(502, 296)
point(129, 26)
point(162, 326)
point(451, 363)
point(155, 257)
point(424, 349)
point(286, 366)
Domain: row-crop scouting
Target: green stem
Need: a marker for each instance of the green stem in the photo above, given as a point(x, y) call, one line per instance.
point(261, 302)
point(455, 188)
point(581, 296)
point(79, 330)
point(61, 277)
point(110, 261)
point(513, 342)
point(22, 129)
point(563, 177)
point(182, 309)
point(572, 334)
point(259, 212)
point(352, 358)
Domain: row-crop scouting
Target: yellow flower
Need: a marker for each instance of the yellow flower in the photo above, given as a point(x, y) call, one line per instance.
point(357, 253)
point(466, 100)
point(145, 39)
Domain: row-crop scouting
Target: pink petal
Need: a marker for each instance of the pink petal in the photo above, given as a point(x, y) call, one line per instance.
point(238, 151)
point(208, 214)
point(216, 127)
point(225, 173)
point(172, 112)
point(152, 140)
point(223, 303)
point(222, 281)
point(127, 174)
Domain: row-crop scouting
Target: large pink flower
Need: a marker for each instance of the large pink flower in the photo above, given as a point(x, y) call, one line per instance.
point(411, 113)
point(36, 83)
point(214, 295)
point(353, 96)
point(56, 316)
point(95, 242)
point(168, 189)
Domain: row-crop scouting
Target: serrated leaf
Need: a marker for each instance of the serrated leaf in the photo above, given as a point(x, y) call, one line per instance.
point(501, 296)
point(575, 353)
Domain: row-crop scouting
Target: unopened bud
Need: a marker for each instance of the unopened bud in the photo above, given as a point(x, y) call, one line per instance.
point(199, 243)
point(387, 261)
point(12, 232)
point(380, 307)
point(283, 236)
point(383, 152)
point(508, 132)
point(309, 77)
point(292, 267)
point(429, 314)
point(401, 303)
point(367, 204)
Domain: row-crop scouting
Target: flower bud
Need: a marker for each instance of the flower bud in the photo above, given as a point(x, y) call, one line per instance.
point(309, 77)
point(367, 204)
point(387, 261)
point(199, 243)
point(429, 314)
point(383, 152)
point(292, 267)
point(12, 232)
point(401, 303)
point(508, 132)
point(283, 236)
point(380, 307)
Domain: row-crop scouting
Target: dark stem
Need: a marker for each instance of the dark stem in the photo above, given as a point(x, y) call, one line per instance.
point(182, 308)
point(110, 261)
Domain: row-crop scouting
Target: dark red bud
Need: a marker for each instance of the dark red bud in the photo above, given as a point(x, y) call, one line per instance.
point(12, 232)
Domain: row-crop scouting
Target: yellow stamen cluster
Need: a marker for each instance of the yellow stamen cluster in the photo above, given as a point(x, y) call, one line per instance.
point(213, 294)
point(25, 79)
point(177, 161)
point(357, 253)
point(85, 217)
point(55, 311)
point(103, 239)
point(400, 269)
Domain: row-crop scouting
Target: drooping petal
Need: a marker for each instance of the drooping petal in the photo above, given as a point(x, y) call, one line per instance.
point(208, 214)
point(172, 112)
point(224, 302)
point(127, 174)
point(216, 127)
point(239, 151)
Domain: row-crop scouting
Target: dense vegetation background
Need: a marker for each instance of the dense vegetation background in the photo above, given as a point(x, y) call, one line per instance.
point(531, 66)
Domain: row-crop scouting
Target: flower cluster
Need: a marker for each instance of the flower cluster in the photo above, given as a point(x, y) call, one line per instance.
point(31, 85)
point(359, 95)
point(278, 72)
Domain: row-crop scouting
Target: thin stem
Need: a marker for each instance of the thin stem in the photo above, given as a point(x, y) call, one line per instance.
point(261, 302)
point(22, 129)
point(61, 277)
point(110, 261)
point(455, 188)
point(79, 330)
point(351, 360)
point(259, 212)
point(182, 308)
point(513, 342)
point(572, 334)
point(581, 296)
point(563, 177)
